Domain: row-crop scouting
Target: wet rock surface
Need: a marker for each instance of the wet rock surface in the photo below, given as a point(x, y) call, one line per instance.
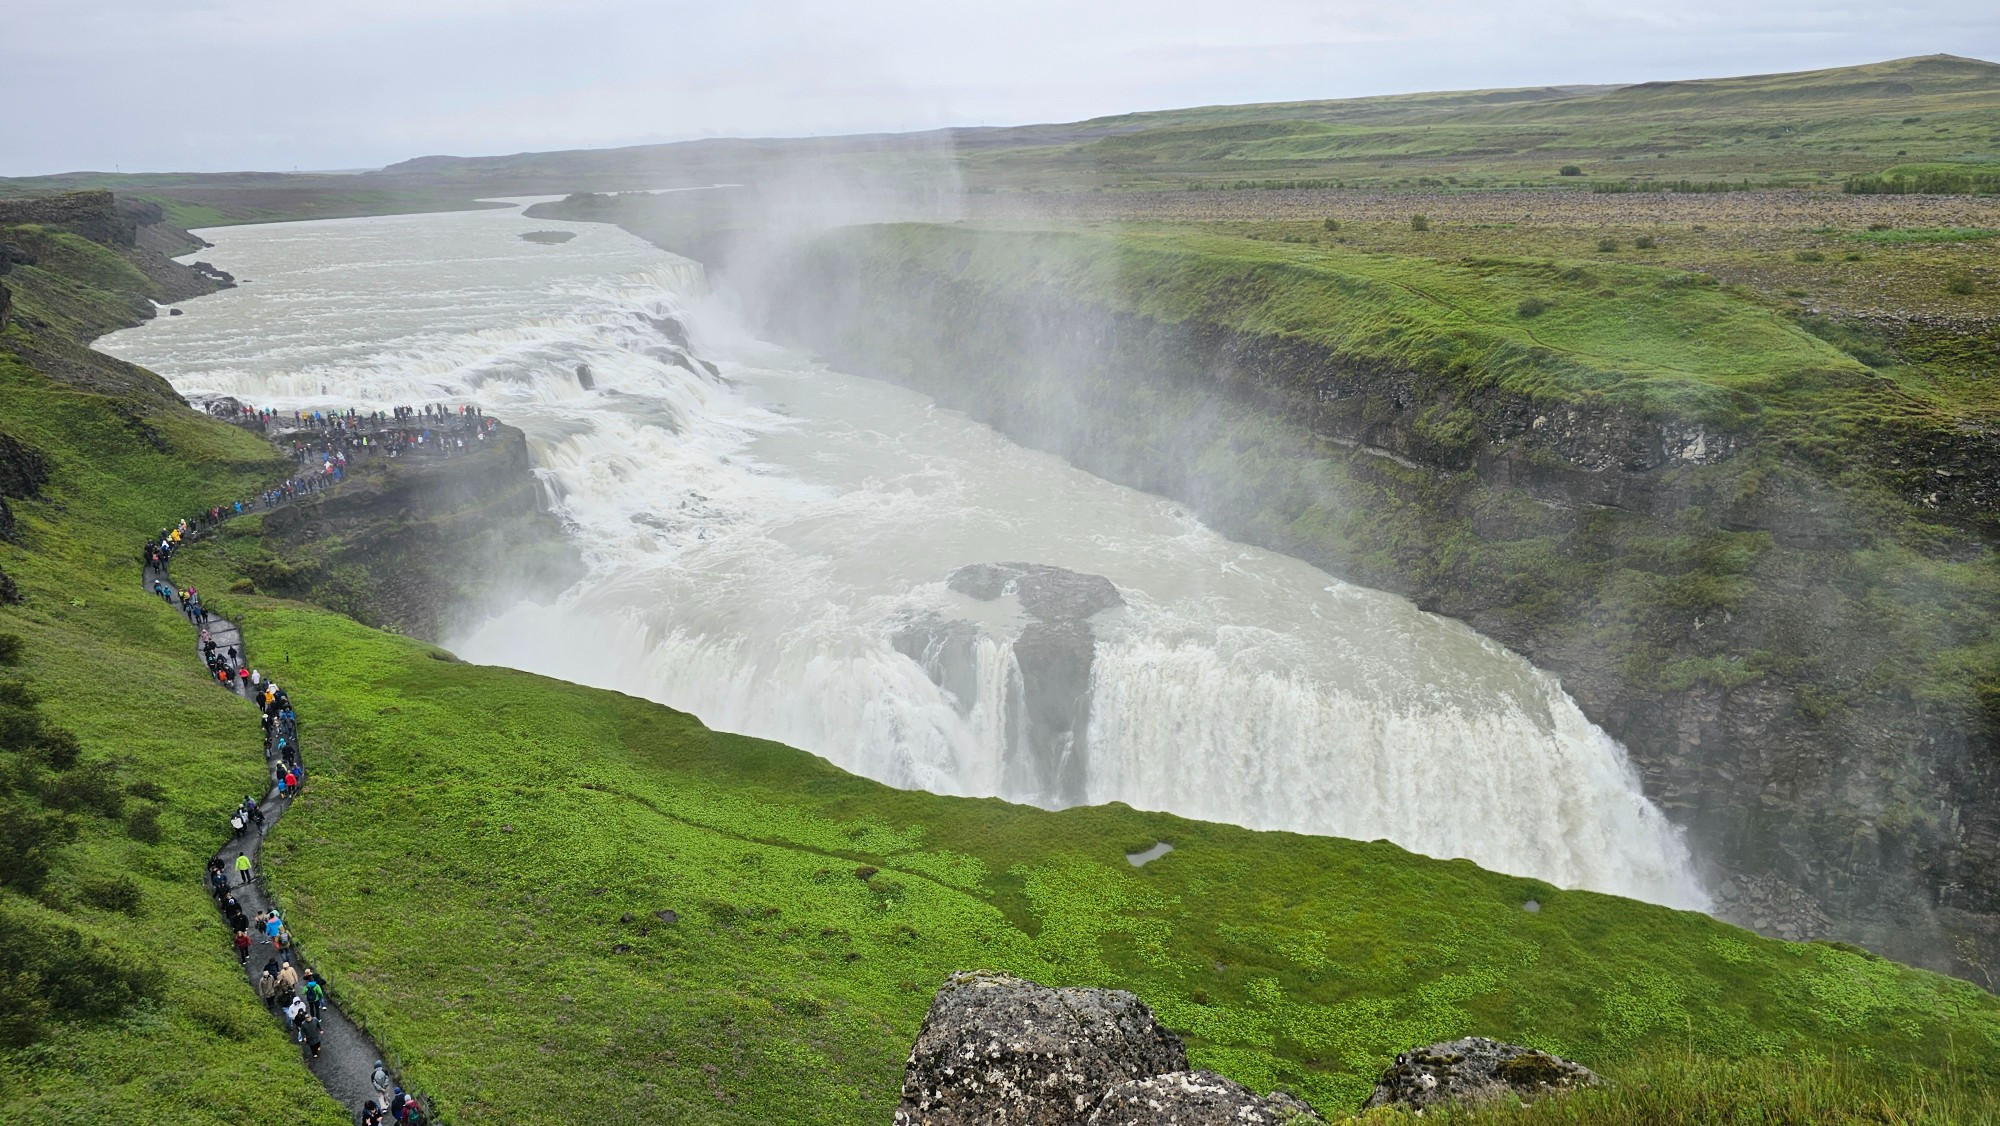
point(407, 543)
point(1474, 1070)
point(1046, 756)
point(1051, 594)
point(996, 1048)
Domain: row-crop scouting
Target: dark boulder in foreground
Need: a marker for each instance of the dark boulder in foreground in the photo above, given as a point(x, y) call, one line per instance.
point(1474, 1070)
point(1196, 1098)
point(995, 1048)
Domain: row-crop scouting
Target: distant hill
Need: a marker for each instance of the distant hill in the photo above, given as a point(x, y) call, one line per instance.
point(1804, 129)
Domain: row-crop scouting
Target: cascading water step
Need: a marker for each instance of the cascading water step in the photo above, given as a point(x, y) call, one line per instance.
point(818, 558)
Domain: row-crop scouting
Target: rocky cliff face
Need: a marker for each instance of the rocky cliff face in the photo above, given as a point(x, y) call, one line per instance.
point(1708, 603)
point(62, 295)
point(417, 545)
point(1046, 758)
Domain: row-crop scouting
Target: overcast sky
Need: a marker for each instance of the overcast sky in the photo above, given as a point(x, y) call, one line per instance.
point(208, 85)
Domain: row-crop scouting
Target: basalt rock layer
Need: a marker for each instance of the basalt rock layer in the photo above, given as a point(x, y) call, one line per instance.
point(1045, 756)
point(419, 544)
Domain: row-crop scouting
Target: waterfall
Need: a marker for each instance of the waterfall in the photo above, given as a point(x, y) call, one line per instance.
point(761, 533)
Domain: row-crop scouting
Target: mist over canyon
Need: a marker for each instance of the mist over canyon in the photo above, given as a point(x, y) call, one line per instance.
point(797, 553)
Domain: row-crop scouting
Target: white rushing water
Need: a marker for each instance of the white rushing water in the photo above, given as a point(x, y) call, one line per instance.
point(754, 540)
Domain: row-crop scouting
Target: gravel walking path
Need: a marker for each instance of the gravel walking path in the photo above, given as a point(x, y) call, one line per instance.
point(347, 1055)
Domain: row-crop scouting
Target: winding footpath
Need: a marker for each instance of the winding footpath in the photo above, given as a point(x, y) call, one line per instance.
point(347, 1056)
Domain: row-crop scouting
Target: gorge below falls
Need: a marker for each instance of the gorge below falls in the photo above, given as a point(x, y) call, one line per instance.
point(839, 564)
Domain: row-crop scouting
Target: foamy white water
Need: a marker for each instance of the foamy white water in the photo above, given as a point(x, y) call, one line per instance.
point(753, 540)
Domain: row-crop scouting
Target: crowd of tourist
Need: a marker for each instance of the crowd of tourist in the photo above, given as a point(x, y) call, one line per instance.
point(291, 990)
point(325, 441)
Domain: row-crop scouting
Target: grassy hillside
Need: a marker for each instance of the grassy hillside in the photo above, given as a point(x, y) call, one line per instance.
point(1812, 129)
point(112, 665)
point(1581, 326)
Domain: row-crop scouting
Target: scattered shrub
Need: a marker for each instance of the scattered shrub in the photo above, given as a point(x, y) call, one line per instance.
point(1531, 307)
point(49, 970)
point(29, 838)
point(1879, 227)
point(147, 790)
point(1645, 242)
point(1809, 256)
point(1420, 222)
point(1961, 283)
point(1331, 224)
point(10, 649)
point(89, 787)
point(1570, 170)
point(57, 749)
point(114, 893)
point(144, 825)
point(1607, 246)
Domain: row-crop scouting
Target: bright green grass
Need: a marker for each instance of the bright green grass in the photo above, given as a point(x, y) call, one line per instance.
point(1647, 339)
point(115, 666)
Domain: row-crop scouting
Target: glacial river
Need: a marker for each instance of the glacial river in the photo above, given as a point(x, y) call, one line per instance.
point(754, 540)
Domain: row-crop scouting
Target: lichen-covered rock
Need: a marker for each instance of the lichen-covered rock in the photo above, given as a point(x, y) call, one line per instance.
point(1474, 1070)
point(1196, 1098)
point(996, 1049)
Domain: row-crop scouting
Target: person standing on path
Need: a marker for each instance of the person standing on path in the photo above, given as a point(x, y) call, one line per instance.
point(242, 868)
point(267, 985)
point(288, 979)
point(379, 1079)
point(309, 1031)
point(242, 941)
point(315, 995)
